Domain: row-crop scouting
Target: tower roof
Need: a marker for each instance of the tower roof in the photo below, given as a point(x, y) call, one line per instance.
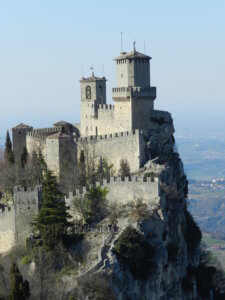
point(133, 54)
point(22, 126)
point(92, 78)
point(62, 123)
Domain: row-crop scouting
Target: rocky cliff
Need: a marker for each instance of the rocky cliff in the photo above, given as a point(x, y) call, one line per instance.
point(163, 224)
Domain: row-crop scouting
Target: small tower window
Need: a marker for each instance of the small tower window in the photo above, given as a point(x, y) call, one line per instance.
point(88, 92)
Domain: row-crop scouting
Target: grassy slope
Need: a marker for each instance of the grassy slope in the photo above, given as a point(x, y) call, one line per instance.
point(216, 246)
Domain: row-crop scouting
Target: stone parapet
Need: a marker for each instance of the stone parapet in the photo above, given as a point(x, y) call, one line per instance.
point(124, 92)
point(109, 136)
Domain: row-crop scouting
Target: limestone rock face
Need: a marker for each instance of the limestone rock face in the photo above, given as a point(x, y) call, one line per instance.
point(164, 228)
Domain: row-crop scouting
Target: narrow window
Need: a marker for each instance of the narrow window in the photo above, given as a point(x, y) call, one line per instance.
point(88, 92)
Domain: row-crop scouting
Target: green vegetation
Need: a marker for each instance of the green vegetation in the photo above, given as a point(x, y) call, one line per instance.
point(95, 286)
point(19, 289)
point(26, 172)
point(92, 206)
point(24, 157)
point(105, 170)
point(124, 170)
point(192, 234)
point(134, 251)
point(140, 211)
point(82, 180)
point(8, 154)
point(209, 277)
point(216, 246)
point(52, 219)
point(89, 173)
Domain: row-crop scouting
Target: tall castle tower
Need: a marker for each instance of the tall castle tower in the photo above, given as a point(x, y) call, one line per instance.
point(133, 97)
point(93, 93)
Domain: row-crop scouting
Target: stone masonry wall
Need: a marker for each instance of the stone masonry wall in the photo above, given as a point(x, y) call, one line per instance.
point(128, 145)
point(26, 206)
point(36, 142)
point(15, 222)
point(124, 191)
point(7, 229)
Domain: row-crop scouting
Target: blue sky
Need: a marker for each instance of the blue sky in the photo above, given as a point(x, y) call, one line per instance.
point(43, 45)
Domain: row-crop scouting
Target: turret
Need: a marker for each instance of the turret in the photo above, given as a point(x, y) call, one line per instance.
point(93, 93)
point(133, 69)
point(19, 139)
point(133, 97)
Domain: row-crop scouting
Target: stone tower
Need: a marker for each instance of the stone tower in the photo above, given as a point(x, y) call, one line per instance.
point(19, 139)
point(133, 97)
point(61, 157)
point(93, 93)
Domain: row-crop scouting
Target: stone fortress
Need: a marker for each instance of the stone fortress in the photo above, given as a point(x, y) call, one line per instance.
point(113, 132)
point(130, 129)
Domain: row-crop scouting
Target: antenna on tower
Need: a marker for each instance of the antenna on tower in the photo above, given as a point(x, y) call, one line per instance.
point(82, 69)
point(134, 46)
point(121, 41)
point(92, 70)
point(103, 70)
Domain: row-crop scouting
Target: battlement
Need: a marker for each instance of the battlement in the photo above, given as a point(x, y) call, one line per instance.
point(119, 181)
point(36, 135)
point(6, 210)
point(27, 195)
point(20, 188)
point(47, 131)
point(101, 106)
point(109, 136)
point(105, 106)
point(121, 92)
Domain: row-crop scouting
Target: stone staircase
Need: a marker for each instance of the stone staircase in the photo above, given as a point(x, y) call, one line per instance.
point(104, 254)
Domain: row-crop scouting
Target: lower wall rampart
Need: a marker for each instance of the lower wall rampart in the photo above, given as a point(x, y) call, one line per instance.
point(122, 192)
point(16, 223)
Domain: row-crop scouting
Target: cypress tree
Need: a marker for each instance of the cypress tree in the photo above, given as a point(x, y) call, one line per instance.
point(124, 170)
point(24, 156)
point(19, 289)
point(82, 170)
point(52, 219)
point(9, 155)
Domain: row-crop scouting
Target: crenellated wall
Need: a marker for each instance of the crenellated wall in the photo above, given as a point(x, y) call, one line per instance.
point(114, 147)
point(123, 191)
point(35, 142)
point(47, 131)
point(15, 222)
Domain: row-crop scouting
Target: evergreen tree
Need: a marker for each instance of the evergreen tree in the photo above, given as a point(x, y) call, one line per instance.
point(52, 219)
point(124, 170)
point(24, 157)
point(9, 155)
point(19, 289)
point(82, 180)
point(105, 170)
point(41, 160)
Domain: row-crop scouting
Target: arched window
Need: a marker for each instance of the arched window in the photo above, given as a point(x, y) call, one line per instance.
point(88, 92)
